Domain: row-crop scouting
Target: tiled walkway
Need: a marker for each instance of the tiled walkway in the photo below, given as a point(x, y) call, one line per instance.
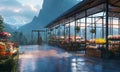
point(46, 58)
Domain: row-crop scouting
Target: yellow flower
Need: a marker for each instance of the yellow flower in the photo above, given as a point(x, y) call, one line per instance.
point(100, 41)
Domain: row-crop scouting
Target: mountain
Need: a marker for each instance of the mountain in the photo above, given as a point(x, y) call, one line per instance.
point(9, 28)
point(51, 9)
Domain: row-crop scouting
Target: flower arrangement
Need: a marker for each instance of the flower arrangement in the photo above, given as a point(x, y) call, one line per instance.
point(114, 37)
point(92, 41)
point(100, 41)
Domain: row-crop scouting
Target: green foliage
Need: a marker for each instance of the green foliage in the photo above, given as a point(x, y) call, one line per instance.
point(19, 37)
point(77, 29)
point(49, 32)
point(51, 29)
point(9, 64)
point(33, 42)
point(92, 30)
point(2, 28)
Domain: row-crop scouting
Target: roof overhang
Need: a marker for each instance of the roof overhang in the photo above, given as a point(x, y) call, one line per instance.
point(91, 6)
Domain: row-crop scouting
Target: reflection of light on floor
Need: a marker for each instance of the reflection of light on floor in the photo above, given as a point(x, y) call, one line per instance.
point(43, 53)
point(74, 60)
point(26, 56)
point(27, 64)
point(74, 69)
point(73, 64)
point(65, 54)
point(80, 59)
point(29, 59)
point(77, 64)
point(33, 65)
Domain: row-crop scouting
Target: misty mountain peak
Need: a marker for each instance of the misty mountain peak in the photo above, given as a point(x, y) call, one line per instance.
point(51, 9)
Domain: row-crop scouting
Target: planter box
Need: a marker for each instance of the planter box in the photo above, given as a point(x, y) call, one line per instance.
point(93, 52)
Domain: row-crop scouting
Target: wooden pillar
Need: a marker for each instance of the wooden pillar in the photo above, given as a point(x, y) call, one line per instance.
point(110, 31)
point(45, 35)
point(92, 27)
point(85, 25)
point(69, 30)
point(102, 26)
point(118, 25)
point(32, 37)
point(59, 31)
point(112, 25)
point(80, 27)
point(107, 16)
point(85, 29)
point(95, 26)
point(75, 27)
point(64, 31)
point(50, 32)
point(38, 37)
point(55, 31)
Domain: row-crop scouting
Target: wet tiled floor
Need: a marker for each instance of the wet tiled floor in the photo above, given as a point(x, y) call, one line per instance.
point(45, 58)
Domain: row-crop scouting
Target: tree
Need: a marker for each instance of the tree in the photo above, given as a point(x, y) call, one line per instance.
point(19, 37)
point(22, 38)
point(2, 28)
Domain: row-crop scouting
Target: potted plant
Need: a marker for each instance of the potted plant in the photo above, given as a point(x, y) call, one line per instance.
point(93, 31)
point(77, 29)
point(48, 32)
point(51, 29)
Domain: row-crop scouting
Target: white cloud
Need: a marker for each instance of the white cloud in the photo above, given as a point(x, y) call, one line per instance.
point(33, 8)
point(33, 4)
point(1, 8)
point(19, 11)
point(79, 0)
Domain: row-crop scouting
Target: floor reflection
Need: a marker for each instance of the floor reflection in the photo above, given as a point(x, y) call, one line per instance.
point(43, 59)
point(46, 58)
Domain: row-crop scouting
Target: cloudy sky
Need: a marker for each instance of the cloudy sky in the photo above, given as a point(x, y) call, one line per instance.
point(19, 12)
